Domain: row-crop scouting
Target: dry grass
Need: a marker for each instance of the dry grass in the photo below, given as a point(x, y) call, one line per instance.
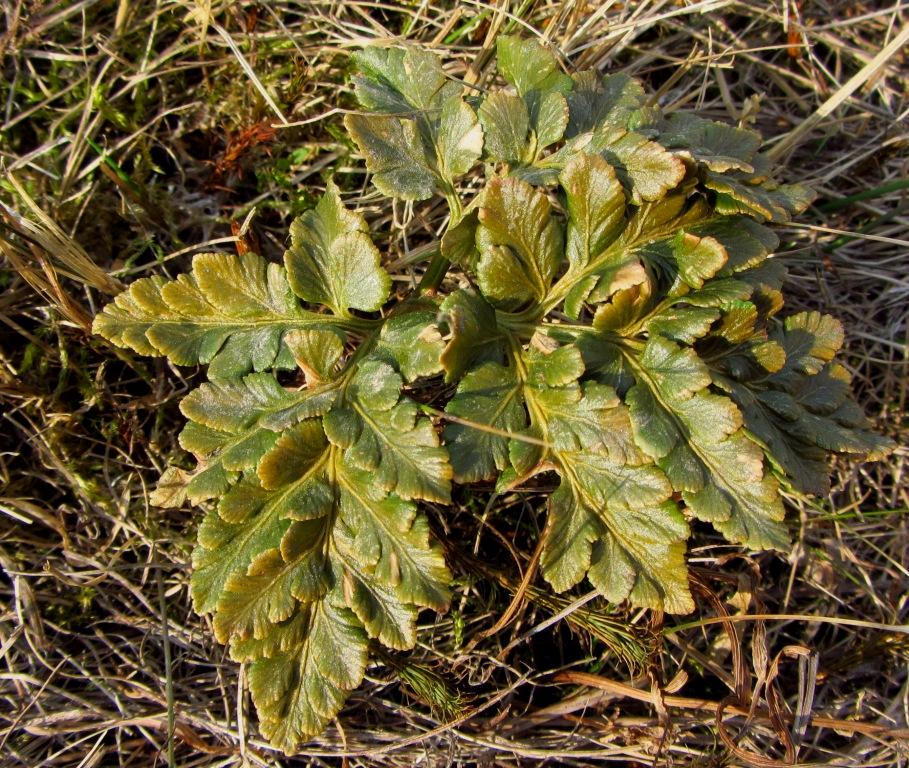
point(133, 132)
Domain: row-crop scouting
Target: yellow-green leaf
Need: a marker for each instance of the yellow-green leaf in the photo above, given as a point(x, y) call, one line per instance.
point(381, 432)
point(460, 138)
point(230, 312)
point(331, 259)
point(297, 692)
point(520, 244)
point(596, 207)
point(529, 66)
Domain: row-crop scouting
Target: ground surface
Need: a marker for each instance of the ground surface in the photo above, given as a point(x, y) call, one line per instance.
point(131, 134)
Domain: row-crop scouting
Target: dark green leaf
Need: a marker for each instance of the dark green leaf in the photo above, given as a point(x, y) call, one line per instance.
point(719, 146)
point(737, 194)
point(401, 80)
point(548, 117)
point(506, 121)
point(601, 102)
point(395, 155)
point(746, 242)
point(683, 324)
point(553, 367)
point(490, 398)
point(474, 337)
point(412, 343)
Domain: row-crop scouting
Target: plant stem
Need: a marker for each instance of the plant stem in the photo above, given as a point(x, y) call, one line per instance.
point(439, 265)
point(434, 274)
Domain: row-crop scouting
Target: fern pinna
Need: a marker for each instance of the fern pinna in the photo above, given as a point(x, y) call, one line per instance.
point(603, 308)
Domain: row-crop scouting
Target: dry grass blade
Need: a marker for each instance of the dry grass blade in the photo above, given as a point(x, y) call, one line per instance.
point(622, 690)
point(871, 70)
point(44, 233)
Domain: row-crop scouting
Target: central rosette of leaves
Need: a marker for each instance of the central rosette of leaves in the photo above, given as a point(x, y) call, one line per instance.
point(612, 320)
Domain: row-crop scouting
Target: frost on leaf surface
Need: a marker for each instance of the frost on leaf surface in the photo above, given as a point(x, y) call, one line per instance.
point(602, 314)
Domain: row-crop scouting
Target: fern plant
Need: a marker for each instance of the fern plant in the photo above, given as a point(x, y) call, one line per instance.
point(603, 307)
